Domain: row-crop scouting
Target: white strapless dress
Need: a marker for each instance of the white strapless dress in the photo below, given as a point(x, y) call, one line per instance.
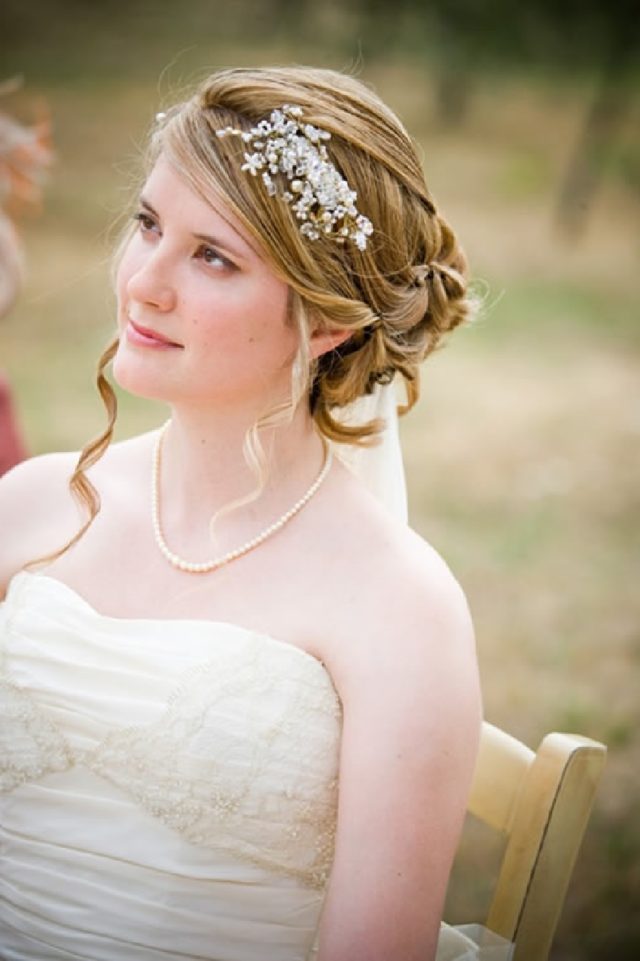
point(168, 789)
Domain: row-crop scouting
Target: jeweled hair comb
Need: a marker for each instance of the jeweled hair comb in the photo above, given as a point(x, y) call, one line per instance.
point(293, 162)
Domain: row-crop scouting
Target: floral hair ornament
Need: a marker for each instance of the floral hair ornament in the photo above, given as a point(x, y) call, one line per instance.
point(284, 148)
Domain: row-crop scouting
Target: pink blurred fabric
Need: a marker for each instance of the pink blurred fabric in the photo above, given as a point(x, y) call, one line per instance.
point(12, 448)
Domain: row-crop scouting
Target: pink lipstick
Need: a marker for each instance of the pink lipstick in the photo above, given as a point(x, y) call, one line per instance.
point(146, 337)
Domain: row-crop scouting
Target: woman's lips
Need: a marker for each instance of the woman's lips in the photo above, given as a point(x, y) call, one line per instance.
point(146, 337)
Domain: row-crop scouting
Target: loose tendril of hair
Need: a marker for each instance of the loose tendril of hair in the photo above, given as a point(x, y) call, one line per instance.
point(83, 491)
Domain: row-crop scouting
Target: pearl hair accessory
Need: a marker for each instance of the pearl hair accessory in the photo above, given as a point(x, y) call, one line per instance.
point(319, 196)
point(203, 567)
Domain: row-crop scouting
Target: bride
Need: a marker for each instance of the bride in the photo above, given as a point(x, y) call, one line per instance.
point(240, 703)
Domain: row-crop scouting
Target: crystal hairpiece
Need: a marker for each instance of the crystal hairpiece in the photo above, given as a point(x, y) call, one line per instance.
point(319, 196)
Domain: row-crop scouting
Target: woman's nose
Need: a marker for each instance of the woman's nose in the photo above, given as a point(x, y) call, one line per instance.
point(150, 284)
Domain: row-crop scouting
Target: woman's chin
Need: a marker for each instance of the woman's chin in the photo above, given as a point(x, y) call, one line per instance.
point(135, 376)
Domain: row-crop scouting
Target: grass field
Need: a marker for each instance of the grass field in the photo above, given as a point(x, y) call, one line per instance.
point(523, 453)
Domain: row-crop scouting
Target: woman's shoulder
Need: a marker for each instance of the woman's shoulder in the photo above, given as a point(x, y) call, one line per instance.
point(394, 591)
point(35, 502)
point(38, 511)
point(412, 585)
point(399, 611)
point(398, 560)
point(34, 487)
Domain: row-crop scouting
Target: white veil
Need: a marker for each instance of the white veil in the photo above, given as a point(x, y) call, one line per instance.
point(379, 467)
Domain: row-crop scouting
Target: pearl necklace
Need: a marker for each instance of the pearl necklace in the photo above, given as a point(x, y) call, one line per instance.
point(203, 567)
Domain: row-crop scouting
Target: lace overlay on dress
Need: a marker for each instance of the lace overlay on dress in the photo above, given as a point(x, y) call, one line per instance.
point(213, 781)
point(243, 756)
point(30, 745)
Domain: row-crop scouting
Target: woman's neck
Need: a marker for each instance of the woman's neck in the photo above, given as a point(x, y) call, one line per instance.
point(203, 468)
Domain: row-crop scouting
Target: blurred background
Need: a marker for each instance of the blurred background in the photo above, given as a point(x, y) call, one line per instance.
point(523, 453)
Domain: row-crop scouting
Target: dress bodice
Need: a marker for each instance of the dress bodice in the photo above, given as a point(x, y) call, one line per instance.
point(169, 753)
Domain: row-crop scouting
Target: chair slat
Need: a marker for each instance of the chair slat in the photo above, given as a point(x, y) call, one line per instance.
point(502, 766)
point(541, 802)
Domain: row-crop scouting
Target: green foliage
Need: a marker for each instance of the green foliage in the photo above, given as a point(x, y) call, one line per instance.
point(460, 35)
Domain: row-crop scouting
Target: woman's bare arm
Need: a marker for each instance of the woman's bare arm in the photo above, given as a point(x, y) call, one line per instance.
point(412, 719)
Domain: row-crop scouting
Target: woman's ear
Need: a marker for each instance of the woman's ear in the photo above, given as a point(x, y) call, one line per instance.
point(322, 341)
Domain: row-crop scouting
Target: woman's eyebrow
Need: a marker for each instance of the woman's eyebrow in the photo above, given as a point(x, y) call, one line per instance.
point(216, 242)
point(205, 238)
point(145, 203)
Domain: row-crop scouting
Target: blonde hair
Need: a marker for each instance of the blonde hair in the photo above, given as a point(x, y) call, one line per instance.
point(396, 299)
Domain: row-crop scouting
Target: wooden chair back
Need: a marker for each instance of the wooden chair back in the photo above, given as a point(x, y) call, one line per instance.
point(540, 801)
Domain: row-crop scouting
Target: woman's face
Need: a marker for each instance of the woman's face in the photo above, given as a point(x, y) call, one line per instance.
point(202, 318)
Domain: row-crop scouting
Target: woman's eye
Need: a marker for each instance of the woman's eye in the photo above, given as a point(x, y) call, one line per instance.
point(212, 258)
point(146, 223)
